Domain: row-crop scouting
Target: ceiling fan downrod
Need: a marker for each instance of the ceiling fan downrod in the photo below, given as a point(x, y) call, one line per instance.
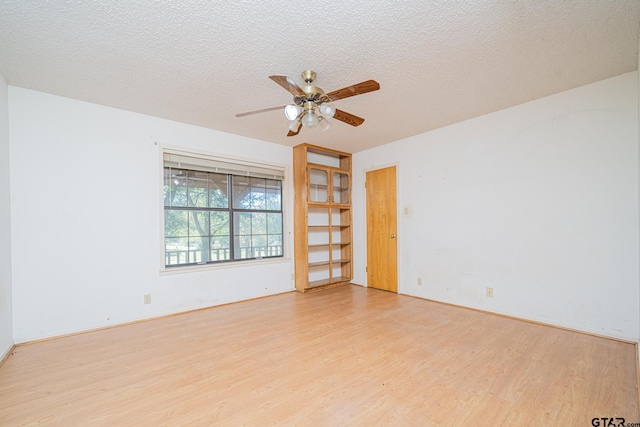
point(308, 76)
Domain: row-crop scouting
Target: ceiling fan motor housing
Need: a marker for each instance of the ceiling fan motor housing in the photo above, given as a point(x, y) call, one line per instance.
point(312, 93)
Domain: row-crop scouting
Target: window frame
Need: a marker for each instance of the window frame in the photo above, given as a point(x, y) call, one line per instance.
point(232, 262)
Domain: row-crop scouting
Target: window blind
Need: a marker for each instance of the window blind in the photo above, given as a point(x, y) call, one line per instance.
point(206, 163)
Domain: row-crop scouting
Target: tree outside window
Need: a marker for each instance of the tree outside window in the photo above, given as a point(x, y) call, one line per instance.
point(214, 217)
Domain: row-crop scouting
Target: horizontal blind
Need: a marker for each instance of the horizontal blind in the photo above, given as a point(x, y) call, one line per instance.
point(222, 165)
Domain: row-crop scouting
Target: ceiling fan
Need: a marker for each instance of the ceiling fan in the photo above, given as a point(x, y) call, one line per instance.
point(312, 107)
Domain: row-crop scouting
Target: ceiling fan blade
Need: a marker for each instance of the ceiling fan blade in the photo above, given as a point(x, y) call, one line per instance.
point(349, 119)
point(292, 133)
point(288, 84)
point(264, 110)
point(357, 89)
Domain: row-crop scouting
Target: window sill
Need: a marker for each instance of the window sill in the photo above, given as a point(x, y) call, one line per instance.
point(223, 265)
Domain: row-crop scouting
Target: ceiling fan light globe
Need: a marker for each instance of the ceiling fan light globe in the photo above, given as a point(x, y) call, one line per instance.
point(292, 111)
point(310, 120)
point(324, 124)
point(293, 125)
point(328, 110)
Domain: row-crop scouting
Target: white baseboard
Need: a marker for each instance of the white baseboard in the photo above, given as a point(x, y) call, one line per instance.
point(5, 354)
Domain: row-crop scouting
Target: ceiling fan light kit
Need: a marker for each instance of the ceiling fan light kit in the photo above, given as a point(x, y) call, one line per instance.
point(311, 107)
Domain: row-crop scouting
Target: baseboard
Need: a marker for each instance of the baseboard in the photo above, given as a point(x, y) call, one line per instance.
point(146, 319)
point(535, 322)
point(4, 356)
point(522, 319)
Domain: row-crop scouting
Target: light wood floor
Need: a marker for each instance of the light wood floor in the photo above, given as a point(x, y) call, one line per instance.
point(348, 356)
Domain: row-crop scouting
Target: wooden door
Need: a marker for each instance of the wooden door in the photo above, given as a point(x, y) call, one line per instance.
point(382, 246)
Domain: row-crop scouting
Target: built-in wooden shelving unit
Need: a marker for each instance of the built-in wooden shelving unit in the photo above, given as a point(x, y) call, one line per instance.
point(322, 217)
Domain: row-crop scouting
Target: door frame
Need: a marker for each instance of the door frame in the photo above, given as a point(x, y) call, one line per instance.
point(399, 219)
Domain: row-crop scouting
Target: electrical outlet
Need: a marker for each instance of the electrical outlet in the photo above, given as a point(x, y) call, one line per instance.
point(419, 281)
point(147, 298)
point(490, 292)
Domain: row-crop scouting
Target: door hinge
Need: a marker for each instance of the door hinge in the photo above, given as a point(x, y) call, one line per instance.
point(366, 269)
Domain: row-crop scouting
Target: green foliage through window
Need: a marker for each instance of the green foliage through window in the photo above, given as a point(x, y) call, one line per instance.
point(213, 217)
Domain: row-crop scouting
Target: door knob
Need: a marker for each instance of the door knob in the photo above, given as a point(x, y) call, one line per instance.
point(393, 236)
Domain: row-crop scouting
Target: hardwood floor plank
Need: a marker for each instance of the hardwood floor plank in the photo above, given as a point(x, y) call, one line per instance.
point(344, 356)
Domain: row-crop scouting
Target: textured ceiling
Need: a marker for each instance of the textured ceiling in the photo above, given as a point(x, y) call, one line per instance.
point(202, 61)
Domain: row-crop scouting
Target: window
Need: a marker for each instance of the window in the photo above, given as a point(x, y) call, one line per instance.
point(219, 211)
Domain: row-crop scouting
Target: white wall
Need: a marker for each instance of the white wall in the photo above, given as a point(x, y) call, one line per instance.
point(6, 315)
point(538, 201)
point(86, 217)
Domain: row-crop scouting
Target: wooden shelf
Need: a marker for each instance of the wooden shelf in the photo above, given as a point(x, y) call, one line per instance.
point(324, 282)
point(327, 262)
point(318, 263)
point(336, 169)
point(312, 204)
point(326, 245)
point(313, 185)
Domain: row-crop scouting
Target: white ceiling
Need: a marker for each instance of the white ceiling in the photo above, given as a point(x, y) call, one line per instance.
point(202, 61)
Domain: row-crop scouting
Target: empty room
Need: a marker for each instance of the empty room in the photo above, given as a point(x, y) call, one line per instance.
point(319, 214)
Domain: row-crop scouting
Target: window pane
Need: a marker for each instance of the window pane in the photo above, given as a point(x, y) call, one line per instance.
point(176, 250)
point(258, 193)
point(199, 249)
point(253, 237)
point(258, 223)
point(197, 192)
point(259, 245)
point(220, 248)
point(340, 187)
point(318, 181)
point(219, 223)
point(241, 192)
point(242, 223)
point(218, 190)
point(249, 193)
point(242, 248)
point(198, 223)
point(275, 240)
point(167, 186)
point(175, 223)
point(274, 223)
point(274, 244)
point(274, 194)
point(175, 187)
